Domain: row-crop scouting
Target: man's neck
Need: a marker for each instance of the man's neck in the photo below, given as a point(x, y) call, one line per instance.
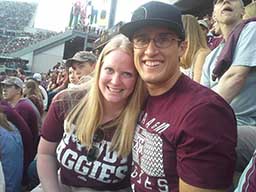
point(162, 87)
point(226, 29)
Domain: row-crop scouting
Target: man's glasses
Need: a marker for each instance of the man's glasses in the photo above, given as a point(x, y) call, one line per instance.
point(93, 153)
point(162, 40)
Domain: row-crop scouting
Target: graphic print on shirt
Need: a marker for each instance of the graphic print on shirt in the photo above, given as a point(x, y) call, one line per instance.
point(108, 168)
point(148, 154)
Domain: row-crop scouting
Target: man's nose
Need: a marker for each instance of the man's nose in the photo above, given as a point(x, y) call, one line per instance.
point(151, 49)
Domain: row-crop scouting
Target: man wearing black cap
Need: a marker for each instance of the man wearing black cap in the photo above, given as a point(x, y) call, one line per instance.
point(185, 137)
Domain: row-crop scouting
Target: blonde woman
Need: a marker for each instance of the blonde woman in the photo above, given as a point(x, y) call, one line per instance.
point(32, 92)
point(197, 50)
point(94, 153)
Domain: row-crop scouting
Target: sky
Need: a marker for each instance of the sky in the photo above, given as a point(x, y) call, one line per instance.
point(54, 14)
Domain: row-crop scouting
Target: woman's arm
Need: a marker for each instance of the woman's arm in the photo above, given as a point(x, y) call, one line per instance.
point(47, 166)
point(198, 65)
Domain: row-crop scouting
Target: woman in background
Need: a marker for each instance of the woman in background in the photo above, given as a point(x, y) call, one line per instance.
point(197, 50)
point(11, 153)
point(32, 92)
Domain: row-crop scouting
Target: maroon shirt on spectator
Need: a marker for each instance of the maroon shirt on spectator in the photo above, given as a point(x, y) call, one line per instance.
point(188, 132)
point(28, 112)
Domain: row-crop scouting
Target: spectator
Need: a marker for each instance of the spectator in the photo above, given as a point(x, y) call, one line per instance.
point(26, 135)
point(230, 71)
point(116, 93)
point(11, 153)
point(179, 142)
point(193, 59)
point(12, 93)
point(32, 92)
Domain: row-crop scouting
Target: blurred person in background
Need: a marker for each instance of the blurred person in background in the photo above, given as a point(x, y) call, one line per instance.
point(12, 93)
point(83, 63)
point(250, 10)
point(197, 50)
point(32, 92)
point(26, 135)
point(11, 154)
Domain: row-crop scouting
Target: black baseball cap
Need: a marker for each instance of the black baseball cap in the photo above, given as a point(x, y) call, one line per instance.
point(155, 13)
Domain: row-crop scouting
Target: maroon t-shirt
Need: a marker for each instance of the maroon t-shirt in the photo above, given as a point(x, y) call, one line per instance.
point(52, 129)
point(188, 132)
point(108, 172)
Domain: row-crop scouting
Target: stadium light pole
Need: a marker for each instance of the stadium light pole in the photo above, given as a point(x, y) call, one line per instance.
point(112, 13)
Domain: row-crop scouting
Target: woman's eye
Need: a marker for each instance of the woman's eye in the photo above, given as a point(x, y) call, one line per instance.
point(108, 70)
point(127, 74)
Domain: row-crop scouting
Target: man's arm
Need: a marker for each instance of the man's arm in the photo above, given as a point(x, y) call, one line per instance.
point(184, 187)
point(232, 82)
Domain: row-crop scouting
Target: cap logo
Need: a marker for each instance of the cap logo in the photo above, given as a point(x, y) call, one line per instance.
point(140, 14)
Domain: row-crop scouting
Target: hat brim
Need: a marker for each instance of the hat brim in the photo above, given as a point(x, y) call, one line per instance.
point(70, 62)
point(129, 29)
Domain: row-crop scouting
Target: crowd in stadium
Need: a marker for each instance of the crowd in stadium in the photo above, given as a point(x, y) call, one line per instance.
point(190, 81)
point(16, 15)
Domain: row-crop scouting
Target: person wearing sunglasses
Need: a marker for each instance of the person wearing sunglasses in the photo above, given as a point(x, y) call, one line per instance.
point(93, 150)
point(186, 134)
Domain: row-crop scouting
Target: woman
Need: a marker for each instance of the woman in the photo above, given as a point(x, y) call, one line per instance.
point(94, 153)
point(32, 92)
point(197, 50)
point(11, 153)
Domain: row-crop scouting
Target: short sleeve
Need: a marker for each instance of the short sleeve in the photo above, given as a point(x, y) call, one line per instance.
point(246, 47)
point(52, 129)
point(206, 146)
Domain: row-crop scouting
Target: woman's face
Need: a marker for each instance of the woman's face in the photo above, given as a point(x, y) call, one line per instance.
point(117, 77)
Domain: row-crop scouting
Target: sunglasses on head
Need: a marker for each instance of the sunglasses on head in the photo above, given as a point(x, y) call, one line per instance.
point(93, 153)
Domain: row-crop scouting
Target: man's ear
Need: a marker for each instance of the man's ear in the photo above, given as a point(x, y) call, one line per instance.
point(183, 47)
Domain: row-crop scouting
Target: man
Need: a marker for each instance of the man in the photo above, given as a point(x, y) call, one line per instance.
point(83, 63)
point(186, 135)
point(12, 93)
point(237, 83)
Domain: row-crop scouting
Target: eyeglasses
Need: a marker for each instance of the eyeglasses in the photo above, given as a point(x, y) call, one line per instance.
point(93, 153)
point(162, 40)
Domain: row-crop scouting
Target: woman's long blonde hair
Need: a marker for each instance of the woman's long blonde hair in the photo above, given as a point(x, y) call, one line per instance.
point(195, 38)
point(88, 114)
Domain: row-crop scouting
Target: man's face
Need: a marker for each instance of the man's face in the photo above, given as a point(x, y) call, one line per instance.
point(82, 69)
point(157, 66)
point(10, 92)
point(228, 12)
